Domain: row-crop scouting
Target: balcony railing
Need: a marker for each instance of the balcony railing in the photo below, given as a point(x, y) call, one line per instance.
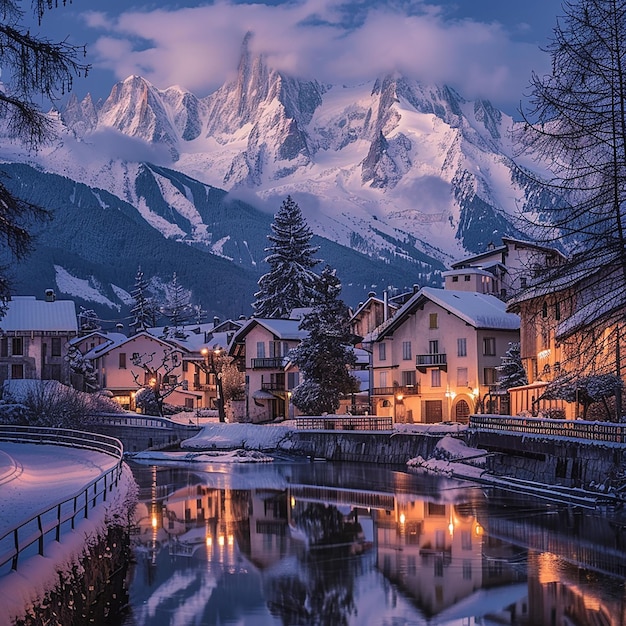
point(407, 390)
point(272, 363)
point(273, 386)
point(430, 360)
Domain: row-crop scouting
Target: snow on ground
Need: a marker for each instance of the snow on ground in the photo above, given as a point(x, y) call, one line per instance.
point(33, 477)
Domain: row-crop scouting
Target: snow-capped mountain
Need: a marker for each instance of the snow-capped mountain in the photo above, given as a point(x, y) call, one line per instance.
point(390, 159)
point(395, 177)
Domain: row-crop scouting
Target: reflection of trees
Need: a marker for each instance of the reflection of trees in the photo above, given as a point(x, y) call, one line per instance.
point(320, 591)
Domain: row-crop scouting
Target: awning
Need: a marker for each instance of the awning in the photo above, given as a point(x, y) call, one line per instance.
point(262, 394)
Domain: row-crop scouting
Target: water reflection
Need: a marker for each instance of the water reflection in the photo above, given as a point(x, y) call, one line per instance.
point(346, 544)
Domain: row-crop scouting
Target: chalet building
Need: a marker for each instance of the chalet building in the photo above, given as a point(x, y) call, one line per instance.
point(506, 269)
point(204, 349)
point(262, 346)
point(435, 359)
point(123, 364)
point(34, 338)
point(572, 325)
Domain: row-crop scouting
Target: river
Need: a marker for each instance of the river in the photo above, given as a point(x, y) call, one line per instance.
point(294, 542)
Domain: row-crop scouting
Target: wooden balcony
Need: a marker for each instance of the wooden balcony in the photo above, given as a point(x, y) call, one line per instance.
point(271, 363)
point(407, 390)
point(424, 361)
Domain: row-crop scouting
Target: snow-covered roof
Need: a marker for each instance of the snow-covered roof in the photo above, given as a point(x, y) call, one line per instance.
point(285, 329)
point(98, 351)
point(470, 270)
point(476, 309)
point(26, 313)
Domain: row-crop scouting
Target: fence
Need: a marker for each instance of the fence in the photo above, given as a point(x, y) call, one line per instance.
point(31, 537)
point(344, 422)
point(593, 431)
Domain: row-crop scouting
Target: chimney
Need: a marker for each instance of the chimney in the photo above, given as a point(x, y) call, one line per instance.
point(119, 328)
point(416, 288)
point(385, 306)
point(50, 295)
point(216, 321)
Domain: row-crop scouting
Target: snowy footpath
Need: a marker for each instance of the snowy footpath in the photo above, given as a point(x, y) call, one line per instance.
point(33, 478)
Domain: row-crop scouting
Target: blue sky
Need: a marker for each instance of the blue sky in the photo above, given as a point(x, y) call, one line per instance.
point(482, 48)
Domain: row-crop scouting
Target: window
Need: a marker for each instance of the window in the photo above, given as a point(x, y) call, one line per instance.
point(406, 350)
point(461, 377)
point(544, 310)
point(189, 403)
point(260, 350)
point(278, 349)
point(455, 279)
point(461, 346)
point(433, 347)
point(293, 379)
point(382, 377)
point(4, 347)
point(467, 278)
point(17, 370)
point(557, 311)
point(489, 346)
point(408, 378)
point(523, 281)
point(490, 376)
point(382, 351)
point(56, 346)
point(185, 366)
point(122, 360)
point(435, 378)
point(17, 346)
point(433, 321)
point(467, 569)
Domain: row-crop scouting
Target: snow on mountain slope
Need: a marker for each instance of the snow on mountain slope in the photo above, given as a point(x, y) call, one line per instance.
point(387, 167)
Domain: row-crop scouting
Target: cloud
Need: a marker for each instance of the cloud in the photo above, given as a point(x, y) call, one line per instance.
point(198, 48)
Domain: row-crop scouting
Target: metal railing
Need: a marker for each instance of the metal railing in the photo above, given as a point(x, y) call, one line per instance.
point(136, 420)
point(344, 422)
point(430, 360)
point(273, 363)
point(405, 390)
point(31, 536)
point(592, 431)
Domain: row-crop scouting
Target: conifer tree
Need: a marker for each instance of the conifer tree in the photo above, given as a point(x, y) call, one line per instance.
point(143, 310)
point(291, 282)
point(177, 307)
point(35, 66)
point(326, 355)
point(512, 372)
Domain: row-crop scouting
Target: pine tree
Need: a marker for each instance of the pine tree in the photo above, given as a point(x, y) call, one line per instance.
point(325, 356)
point(291, 282)
point(512, 372)
point(35, 67)
point(144, 310)
point(177, 307)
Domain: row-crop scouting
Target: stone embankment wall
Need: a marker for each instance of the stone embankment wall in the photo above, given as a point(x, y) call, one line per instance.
point(136, 438)
point(564, 462)
point(367, 447)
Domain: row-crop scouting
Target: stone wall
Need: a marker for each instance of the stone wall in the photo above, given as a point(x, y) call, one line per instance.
point(396, 448)
point(555, 461)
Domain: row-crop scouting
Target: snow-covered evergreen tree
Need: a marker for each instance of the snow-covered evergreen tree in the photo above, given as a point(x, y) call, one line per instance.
point(82, 367)
point(291, 282)
point(585, 390)
point(144, 308)
point(325, 356)
point(177, 307)
point(88, 320)
point(512, 373)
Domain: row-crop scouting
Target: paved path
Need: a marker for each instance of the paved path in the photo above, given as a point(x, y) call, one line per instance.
point(33, 477)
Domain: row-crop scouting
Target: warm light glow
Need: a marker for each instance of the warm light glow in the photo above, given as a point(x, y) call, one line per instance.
point(399, 397)
point(476, 392)
point(155, 521)
point(544, 354)
point(209, 542)
point(231, 540)
point(548, 568)
point(220, 540)
point(152, 382)
point(478, 529)
point(402, 518)
point(293, 502)
point(451, 528)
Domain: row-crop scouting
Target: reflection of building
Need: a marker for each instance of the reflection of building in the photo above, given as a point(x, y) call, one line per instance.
point(433, 550)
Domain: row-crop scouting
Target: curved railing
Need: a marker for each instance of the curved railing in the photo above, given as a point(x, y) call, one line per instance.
point(31, 536)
